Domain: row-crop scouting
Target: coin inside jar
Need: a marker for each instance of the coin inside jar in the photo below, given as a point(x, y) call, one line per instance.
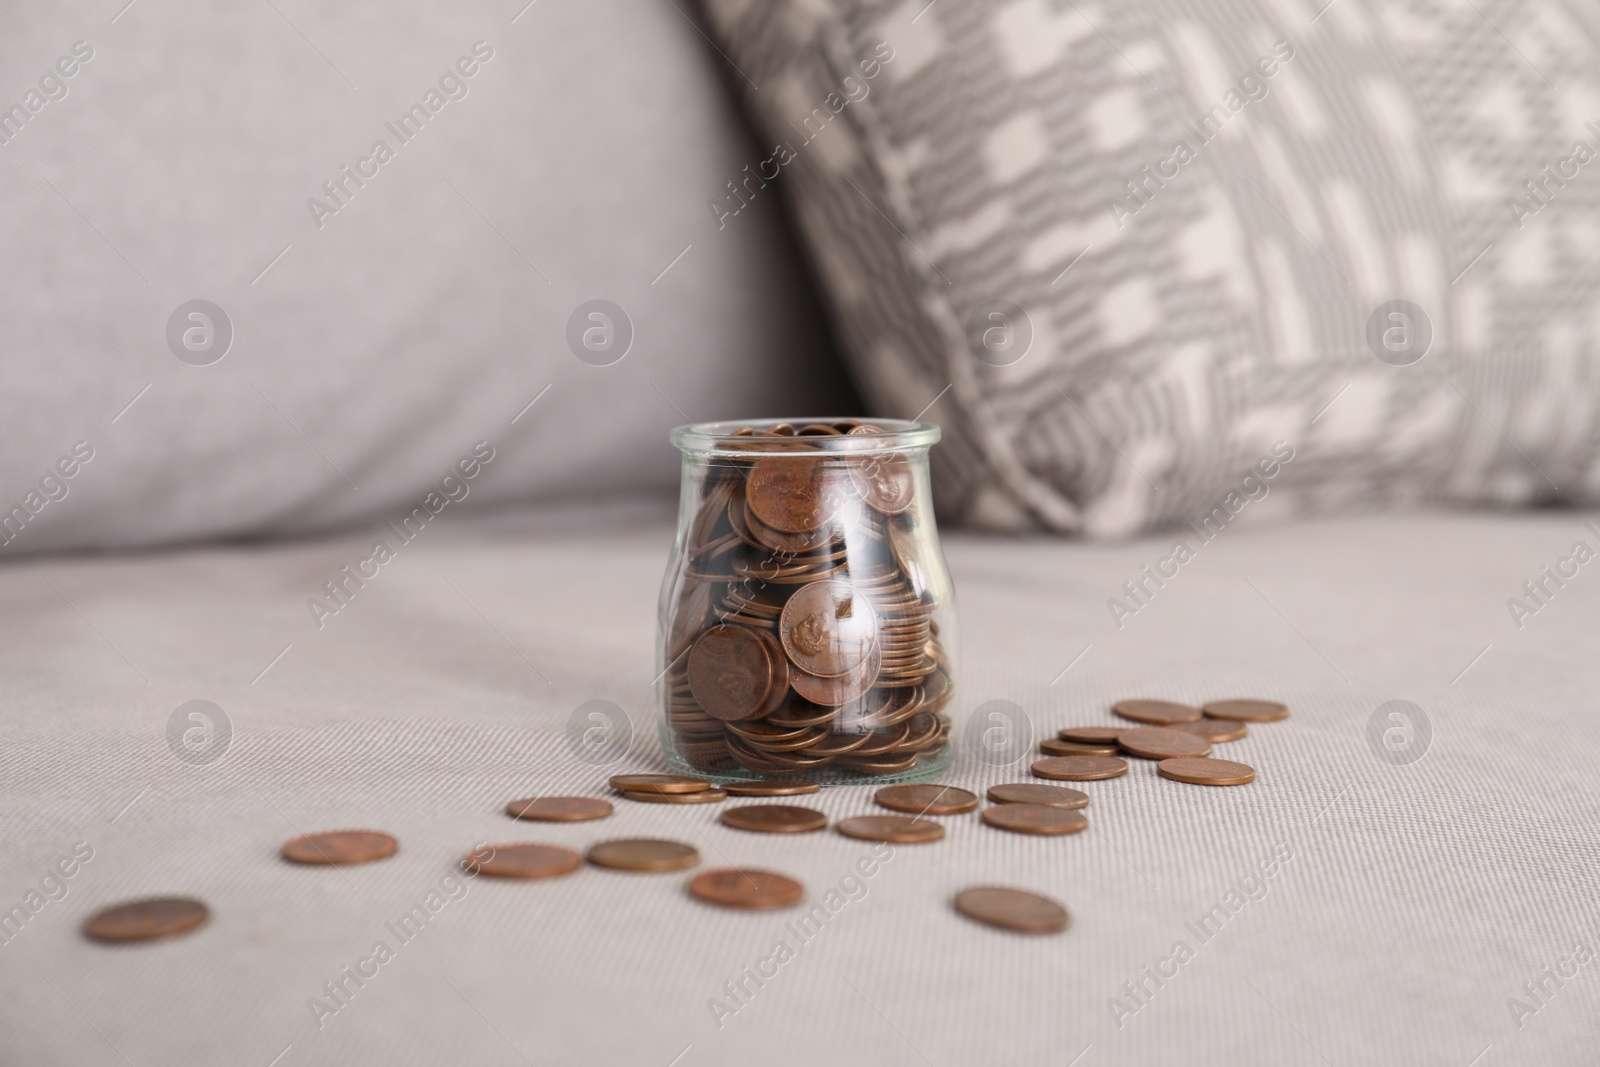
point(897, 829)
point(658, 783)
point(1043, 819)
point(730, 672)
point(885, 482)
point(827, 628)
point(643, 854)
point(1160, 742)
point(1200, 771)
point(770, 789)
point(1215, 730)
point(789, 493)
point(146, 920)
point(734, 888)
point(926, 799)
point(1080, 768)
point(1012, 909)
point(1156, 712)
point(1032, 793)
point(340, 847)
point(521, 860)
point(559, 809)
point(1247, 710)
point(774, 818)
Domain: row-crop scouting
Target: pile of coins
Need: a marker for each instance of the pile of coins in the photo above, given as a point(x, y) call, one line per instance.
point(1178, 736)
point(801, 633)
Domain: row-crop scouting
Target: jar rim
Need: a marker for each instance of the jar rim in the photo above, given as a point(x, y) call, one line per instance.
point(718, 438)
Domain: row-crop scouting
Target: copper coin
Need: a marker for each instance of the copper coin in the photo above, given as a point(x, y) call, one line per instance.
point(1156, 712)
point(1247, 710)
point(521, 860)
point(885, 482)
point(559, 809)
point(146, 920)
point(643, 854)
point(1035, 819)
point(1090, 735)
point(1198, 771)
point(1058, 796)
point(1053, 746)
point(774, 818)
point(1080, 768)
point(1160, 742)
point(1012, 909)
point(789, 493)
point(926, 799)
point(828, 628)
point(770, 789)
point(658, 783)
point(729, 672)
point(339, 847)
point(899, 829)
point(734, 888)
point(704, 796)
point(1214, 730)
point(845, 689)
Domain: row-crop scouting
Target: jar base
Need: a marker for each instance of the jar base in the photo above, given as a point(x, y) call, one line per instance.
point(927, 768)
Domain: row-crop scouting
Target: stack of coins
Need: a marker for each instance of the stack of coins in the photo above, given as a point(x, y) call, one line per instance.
point(802, 633)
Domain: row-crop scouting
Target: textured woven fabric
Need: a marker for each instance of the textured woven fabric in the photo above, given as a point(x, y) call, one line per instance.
point(1407, 903)
point(1131, 246)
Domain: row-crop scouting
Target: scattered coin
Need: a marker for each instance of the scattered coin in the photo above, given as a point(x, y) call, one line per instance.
point(899, 829)
point(146, 920)
point(522, 860)
point(1247, 710)
point(1155, 712)
point(559, 809)
point(704, 796)
point(1035, 819)
point(1090, 735)
point(1080, 768)
point(1160, 742)
point(1058, 796)
point(643, 854)
point(1214, 730)
point(340, 847)
point(1051, 746)
point(1012, 909)
point(658, 783)
point(770, 789)
point(926, 799)
point(774, 818)
point(1206, 771)
point(734, 888)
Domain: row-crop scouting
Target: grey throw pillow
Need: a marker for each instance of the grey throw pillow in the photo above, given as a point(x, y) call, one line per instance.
point(1142, 253)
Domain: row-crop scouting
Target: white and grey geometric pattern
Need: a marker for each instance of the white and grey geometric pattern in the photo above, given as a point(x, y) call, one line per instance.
point(1202, 212)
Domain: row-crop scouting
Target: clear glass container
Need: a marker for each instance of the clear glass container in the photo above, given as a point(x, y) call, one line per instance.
point(807, 621)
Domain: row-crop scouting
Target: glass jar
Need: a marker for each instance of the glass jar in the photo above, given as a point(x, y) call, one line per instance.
point(807, 621)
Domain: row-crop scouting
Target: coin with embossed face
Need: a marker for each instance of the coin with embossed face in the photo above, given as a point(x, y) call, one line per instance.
point(729, 672)
point(828, 628)
point(789, 493)
point(885, 482)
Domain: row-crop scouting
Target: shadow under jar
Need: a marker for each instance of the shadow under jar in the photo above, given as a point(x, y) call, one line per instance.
point(807, 624)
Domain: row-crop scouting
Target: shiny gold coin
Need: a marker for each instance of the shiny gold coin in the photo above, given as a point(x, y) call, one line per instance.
point(1156, 712)
point(734, 888)
point(522, 860)
point(643, 854)
point(1012, 909)
point(1161, 742)
point(774, 818)
point(1090, 735)
point(1247, 710)
point(926, 799)
point(1080, 768)
point(1052, 746)
point(704, 796)
point(658, 783)
point(1035, 819)
point(899, 829)
point(1058, 796)
point(146, 920)
point(559, 809)
point(1206, 771)
point(1215, 730)
point(340, 847)
point(770, 789)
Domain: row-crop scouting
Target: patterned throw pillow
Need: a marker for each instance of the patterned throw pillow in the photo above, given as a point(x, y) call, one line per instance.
point(1137, 254)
